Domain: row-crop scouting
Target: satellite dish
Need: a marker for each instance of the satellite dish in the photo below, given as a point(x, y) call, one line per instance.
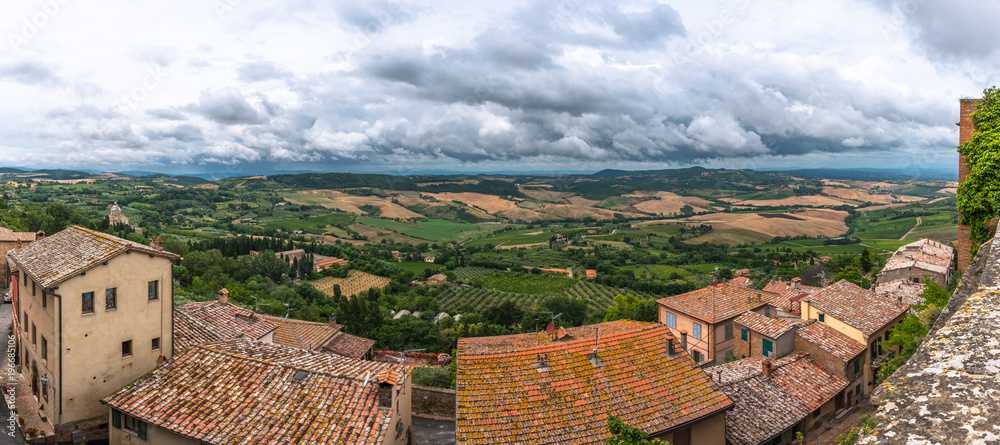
point(550, 328)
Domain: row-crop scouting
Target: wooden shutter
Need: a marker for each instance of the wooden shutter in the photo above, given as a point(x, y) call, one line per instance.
point(116, 418)
point(140, 427)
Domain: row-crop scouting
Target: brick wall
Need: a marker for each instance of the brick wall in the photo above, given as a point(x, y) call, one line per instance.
point(95, 429)
point(965, 131)
point(433, 402)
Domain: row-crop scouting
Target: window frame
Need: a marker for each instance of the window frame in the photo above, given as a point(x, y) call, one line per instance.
point(744, 334)
point(822, 318)
point(153, 290)
point(33, 332)
point(766, 347)
point(857, 367)
point(729, 331)
point(155, 344)
point(113, 293)
point(696, 330)
point(45, 348)
point(83, 303)
point(671, 320)
point(767, 312)
point(131, 350)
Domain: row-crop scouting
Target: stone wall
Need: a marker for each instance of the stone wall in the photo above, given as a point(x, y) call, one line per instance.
point(436, 403)
point(946, 392)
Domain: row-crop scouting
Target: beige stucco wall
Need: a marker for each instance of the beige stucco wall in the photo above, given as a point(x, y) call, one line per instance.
point(43, 320)
point(711, 431)
point(687, 324)
point(92, 364)
point(714, 346)
point(401, 405)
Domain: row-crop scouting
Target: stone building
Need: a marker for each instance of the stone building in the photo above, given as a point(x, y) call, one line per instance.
point(917, 260)
point(559, 388)
point(115, 215)
point(92, 312)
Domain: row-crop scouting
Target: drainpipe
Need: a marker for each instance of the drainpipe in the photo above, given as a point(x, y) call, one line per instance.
point(60, 327)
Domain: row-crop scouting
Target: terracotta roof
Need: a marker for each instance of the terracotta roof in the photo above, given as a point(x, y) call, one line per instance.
point(300, 333)
point(776, 287)
point(244, 391)
point(12, 236)
point(62, 256)
point(717, 303)
point(789, 300)
point(830, 340)
point(506, 396)
point(591, 273)
point(349, 345)
point(209, 321)
point(769, 327)
point(767, 405)
point(907, 289)
point(856, 306)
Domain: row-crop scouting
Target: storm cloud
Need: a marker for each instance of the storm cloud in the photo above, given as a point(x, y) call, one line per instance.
point(374, 86)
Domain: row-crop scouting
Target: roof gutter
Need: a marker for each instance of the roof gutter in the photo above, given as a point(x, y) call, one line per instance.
point(693, 421)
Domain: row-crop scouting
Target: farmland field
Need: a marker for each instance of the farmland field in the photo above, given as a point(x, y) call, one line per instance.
point(431, 230)
point(417, 267)
point(543, 283)
point(513, 238)
point(596, 295)
point(354, 284)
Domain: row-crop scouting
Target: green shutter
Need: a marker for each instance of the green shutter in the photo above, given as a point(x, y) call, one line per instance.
point(767, 347)
point(743, 334)
point(116, 418)
point(141, 426)
point(857, 366)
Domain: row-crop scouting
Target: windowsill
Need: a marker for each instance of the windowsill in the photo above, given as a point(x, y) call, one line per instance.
point(86, 314)
point(110, 309)
point(126, 356)
point(153, 300)
point(156, 350)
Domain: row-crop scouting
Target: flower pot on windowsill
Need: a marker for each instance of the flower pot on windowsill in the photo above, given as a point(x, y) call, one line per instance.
point(20, 420)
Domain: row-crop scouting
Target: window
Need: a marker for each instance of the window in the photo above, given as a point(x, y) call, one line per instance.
point(887, 334)
point(33, 334)
point(25, 322)
point(766, 347)
point(111, 299)
point(128, 423)
point(816, 413)
point(822, 318)
point(857, 389)
point(45, 348)
point(153, 290)
point(25, 279)
point(156, 344)
point(744, 334)
point(88, 302)
point(696, 330)
point(857, 367)
point(32, 288)
point(45, 301)
point(729, 331)
point(697, 356)
point(671, 320)
point(776, 441)
point(126, 348)
point(916, 279)
point(767, 312)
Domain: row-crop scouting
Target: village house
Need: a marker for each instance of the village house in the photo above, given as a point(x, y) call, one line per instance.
point(591, 273)
point(428, 259)
point(774, 399)
point(914, 261)
point(559, 388)
point(905, 290)
point(209, 321)
point(741, 281)
point(860, 315)
point(703, 318)
point(10, 240)
point(437, 279)
point(773, 338)
point(92, 312)
point(263, 393)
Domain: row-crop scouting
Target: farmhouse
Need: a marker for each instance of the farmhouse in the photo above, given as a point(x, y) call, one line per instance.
point(437, 279)
point(560, 388)
point(428, 259)
point(916, 260)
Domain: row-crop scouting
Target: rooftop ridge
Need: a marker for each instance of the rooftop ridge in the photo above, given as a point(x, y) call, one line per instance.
point(209, 346)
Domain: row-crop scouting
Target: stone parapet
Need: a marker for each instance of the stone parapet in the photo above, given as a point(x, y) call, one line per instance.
point(947, 392)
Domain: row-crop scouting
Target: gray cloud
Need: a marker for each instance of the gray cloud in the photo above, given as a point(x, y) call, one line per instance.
point(227, 106)
point(258, 71)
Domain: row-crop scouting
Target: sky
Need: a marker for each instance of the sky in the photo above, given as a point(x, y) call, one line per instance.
point(251, 86)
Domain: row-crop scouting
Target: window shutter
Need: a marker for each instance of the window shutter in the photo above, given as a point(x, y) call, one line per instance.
point(116, 418)
point(141, 427)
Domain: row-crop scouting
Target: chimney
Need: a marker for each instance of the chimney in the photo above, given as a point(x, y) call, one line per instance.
point(384, 395)
point(224, 295)
point(715, 281)
point(156, 243)
point(39, 235)
point(684, 339)
point(670, 347)
point(333, 320)
point(797, 282)
point(161, 360)
point(899, 299)
point(766, 365)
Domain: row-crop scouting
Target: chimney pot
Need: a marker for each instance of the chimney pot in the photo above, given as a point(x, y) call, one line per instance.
point(670, 347)
point(766, 365)
point(684, 339)
point(333, 320)
point(223, 295)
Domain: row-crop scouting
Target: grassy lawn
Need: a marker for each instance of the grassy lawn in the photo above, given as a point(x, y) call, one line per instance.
point(316, 225)
point(417, 267)
point(513, 238)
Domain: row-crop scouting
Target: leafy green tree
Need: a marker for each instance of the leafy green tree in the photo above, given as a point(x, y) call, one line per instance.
point(624, 434)
point(933, 295)
point(632, 308)
point(852, 274)
point(865, 262)
point(907, 335)
point(979, 194)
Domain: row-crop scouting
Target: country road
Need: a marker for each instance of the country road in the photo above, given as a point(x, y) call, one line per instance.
point(911, 230)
